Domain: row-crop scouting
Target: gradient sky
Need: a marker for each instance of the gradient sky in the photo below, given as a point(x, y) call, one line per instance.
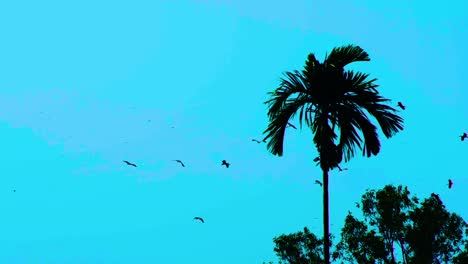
point(80, 81)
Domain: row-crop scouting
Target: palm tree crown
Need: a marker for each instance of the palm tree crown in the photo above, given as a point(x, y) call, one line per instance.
point(328, 97)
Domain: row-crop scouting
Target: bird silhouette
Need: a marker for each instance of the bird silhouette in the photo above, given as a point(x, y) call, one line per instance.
point(199, 218)
point(181, 163)
point(224, 163)
point(450, 183)
point(318, 182)
point(255, 140)
point(340, 169)
point(401, 105)
point(463, 136)
point(291, 125)
point(129, 163)
point(316, 159)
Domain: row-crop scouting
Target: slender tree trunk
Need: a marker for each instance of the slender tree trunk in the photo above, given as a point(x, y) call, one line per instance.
point(326, 220)
point(403, 252)
point(392, 250)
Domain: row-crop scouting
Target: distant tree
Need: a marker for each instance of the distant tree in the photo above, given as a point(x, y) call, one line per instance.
point(425, 233)
point(298, 248)
point(329, 100)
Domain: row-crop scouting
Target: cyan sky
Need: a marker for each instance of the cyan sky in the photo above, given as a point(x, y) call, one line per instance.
point(80, 80)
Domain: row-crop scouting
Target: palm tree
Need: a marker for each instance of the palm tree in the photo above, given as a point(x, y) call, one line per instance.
point(331, 100)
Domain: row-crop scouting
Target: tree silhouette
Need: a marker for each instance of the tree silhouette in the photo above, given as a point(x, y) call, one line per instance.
point(302, 247)
point(424, 232)
point(360, 244)
point(387, 209)
point(435, 235)
point(328, 99)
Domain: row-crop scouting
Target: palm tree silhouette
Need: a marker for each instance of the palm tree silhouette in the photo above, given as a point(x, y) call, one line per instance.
point(328, 97)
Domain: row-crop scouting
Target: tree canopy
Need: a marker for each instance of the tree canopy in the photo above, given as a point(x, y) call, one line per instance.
point(395, 228)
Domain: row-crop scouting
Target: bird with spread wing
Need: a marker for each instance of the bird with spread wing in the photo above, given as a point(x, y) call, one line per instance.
point(181, 163)
point(225, 163)
point(199, 218)
point(129, 163)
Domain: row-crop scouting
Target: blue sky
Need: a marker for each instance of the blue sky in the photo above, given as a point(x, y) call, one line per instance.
point(80, 81)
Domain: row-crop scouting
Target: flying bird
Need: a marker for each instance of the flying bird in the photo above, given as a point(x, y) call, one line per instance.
point(318, 182)
point(224, 163)
point(258, 141)
point(401, 106)
point(316, 159)
point(339, 168)
point(129, 163)
point(291, 125)
point(450, 184)
point(179, 161)
point(199, 218)
point(463, 136)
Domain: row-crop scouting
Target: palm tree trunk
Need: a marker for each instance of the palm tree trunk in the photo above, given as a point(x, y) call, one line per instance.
point(326, 220)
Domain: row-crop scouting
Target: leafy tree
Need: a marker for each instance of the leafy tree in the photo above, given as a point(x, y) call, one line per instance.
point(302, 247)
point(298, 248)
point(388, 210)
point(360, 244)
point(331, 100)
point(424, 232)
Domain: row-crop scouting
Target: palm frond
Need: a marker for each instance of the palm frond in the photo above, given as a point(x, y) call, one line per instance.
point(349, 136)
point(353, 122)
point(342, 56)
point(306, 111)
point(369, 131)
point(364, 94)
point(282, 107)
point(278, 123)
point(389, 122)
point(293, 83)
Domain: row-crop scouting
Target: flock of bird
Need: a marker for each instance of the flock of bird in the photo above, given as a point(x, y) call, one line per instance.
point(223, 163)
point(317, 159)
point(463, 137)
